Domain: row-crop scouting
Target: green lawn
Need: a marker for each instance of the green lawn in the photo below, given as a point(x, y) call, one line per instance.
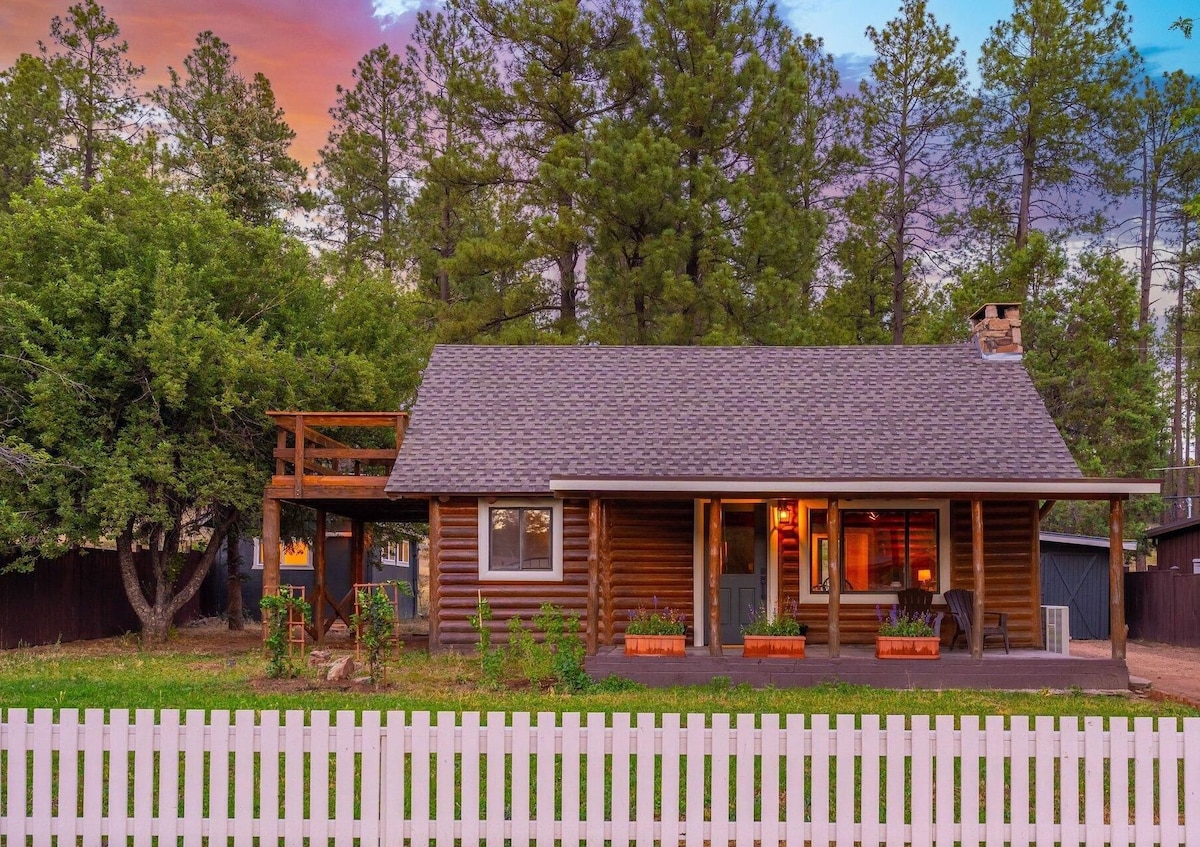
point(126, 677)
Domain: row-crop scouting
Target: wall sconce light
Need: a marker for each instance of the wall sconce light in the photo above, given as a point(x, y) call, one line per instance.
point(785, 515)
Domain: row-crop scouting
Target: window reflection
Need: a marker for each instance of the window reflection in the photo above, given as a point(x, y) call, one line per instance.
point(520, 539)
point(882, 550)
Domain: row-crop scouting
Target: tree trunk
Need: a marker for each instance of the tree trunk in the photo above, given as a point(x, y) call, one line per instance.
point(234, 613)
point(156, 616)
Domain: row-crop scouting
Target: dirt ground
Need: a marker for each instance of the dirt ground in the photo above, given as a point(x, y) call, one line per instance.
point(1174, 672)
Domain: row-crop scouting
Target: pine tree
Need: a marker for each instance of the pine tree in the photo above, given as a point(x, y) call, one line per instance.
point(99, 102)
point(912, 110)
point(29, 122)
point(231, 138)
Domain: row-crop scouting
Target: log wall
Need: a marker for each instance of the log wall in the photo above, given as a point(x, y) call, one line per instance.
point(459, 586)
point(651, 550)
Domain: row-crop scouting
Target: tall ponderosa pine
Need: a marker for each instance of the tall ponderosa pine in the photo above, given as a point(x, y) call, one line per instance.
point(561, 71)
point(367, 168)
point(1051, 122)
point(912, 110)
point(99, 102)
point(231, 138)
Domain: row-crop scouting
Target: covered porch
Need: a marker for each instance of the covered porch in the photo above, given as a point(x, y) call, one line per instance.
point(1022, 669)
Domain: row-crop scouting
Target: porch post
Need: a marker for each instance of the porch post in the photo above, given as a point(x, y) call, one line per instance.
point(716, 564)
point(593, 589)
point(269, 547)
point(833, 524)
point(1035, 572)
point(318, 600)
point(606, 614)
point(357, 537)
point(435, 566)
point(1116, 578)
point(977, 568)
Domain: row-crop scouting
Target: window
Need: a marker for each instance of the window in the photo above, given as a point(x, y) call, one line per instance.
point(520, 540)
point(396, 553)
point(296, 555)
point(883, 550)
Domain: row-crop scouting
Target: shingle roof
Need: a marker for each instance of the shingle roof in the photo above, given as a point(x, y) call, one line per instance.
point(503, 420)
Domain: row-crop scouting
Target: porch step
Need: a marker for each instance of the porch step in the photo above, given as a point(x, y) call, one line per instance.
point(1137, 683)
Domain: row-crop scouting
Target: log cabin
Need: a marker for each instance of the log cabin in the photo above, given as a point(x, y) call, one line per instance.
point(717, 479)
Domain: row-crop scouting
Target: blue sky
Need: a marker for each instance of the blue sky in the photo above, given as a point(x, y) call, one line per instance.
point(842, 22)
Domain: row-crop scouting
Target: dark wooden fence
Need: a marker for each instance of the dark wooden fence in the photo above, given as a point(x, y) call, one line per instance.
point(1163, 606)
point(74, 597)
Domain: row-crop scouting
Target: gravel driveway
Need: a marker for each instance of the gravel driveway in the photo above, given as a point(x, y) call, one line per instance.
point(1173, 671)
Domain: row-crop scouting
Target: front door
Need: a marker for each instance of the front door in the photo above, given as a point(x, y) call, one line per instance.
point(744, 579)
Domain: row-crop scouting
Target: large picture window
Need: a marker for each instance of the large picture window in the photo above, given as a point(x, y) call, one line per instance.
point(883, 550)
point(520, 540)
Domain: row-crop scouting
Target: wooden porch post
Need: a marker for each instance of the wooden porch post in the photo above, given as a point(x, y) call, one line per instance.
point(593, 588)
point(269, 547)
point(716, 564)
point(1116, 578)
point(977, 569)
point(435, 556)
point(607, 630)
point(318, 601)
point(833, 524)
point(357, 551)
point(1035, 573)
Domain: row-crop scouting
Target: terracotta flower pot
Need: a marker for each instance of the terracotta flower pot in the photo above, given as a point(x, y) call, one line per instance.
point(907, 647)
point(773, 647)
point(653, 645)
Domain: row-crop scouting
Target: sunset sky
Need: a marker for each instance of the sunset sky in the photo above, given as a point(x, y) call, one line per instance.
point(308, 47)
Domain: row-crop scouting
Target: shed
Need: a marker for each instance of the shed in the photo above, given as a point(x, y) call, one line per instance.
point(1075, 573)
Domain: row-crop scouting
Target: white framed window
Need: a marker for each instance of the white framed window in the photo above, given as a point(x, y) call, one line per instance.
point(294, 556)
point(396, 553)
point(521, 540)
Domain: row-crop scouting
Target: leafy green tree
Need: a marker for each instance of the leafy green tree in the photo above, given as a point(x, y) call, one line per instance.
point(144, 333)
point(1051, 121)
point(912, 110)
point(231, 140)
point(29, 122)
point(368, 165)
point(100, 105)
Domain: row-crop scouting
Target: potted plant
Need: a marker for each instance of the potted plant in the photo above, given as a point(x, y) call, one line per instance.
point(655, 631)
point(904, 636)
point(781, 636)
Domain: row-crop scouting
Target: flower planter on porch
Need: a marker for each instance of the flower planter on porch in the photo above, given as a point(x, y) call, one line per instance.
point(907, 647)
point(773, 646)
point(653, 645)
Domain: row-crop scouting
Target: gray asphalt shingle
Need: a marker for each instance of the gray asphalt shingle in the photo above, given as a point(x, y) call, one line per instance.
point(503, 420)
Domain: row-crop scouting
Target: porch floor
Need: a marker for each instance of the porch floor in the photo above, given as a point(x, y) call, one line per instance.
point(1022, 669)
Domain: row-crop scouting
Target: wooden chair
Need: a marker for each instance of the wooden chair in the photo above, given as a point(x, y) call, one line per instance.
point(918, 601)
point(962, 606)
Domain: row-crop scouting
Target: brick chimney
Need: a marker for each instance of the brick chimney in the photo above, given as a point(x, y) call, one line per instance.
point(996, 330)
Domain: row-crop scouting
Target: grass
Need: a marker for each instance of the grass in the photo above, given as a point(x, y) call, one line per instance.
point(126, 677)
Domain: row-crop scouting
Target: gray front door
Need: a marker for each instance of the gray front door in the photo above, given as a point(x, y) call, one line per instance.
point(744, 579)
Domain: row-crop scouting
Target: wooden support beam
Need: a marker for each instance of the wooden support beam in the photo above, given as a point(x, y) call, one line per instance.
point(298, 462)
point(1116, 577)
point(593, 584)
point(607, 623)
point(318, 601)
point(1045, 509)
point(716, 564)
point(833, 525)
point(269, 550)
point(977, 571)
point(1035, 573)
point(358, 552)
point(435, 556)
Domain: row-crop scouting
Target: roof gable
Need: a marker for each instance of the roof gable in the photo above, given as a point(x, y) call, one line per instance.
point(506, 419)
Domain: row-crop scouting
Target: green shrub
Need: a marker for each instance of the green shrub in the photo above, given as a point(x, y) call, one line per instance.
point(277, 610)
point(491, 660)
point(375, 628)
point(566, 647)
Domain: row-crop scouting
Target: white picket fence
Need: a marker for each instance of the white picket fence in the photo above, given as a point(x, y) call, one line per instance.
point(748, 780)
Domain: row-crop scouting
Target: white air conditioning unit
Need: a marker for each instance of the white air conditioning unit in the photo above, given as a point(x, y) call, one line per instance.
point(1056, 629)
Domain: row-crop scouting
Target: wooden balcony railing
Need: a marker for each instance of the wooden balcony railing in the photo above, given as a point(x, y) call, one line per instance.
point(303, 450)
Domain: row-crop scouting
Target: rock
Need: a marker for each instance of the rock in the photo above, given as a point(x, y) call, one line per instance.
point(319, 657)
point(341, 669)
